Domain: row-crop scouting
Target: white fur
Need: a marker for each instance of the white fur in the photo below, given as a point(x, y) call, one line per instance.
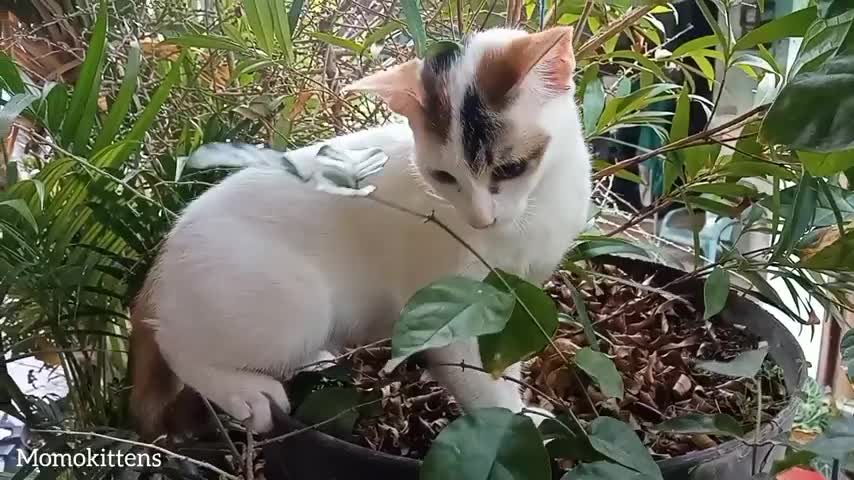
point(262, 272)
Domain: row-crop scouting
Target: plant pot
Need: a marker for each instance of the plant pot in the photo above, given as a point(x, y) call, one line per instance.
point(313, 455)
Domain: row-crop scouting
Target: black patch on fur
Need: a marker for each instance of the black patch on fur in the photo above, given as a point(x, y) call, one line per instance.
point(434, 76)
point(481, 127)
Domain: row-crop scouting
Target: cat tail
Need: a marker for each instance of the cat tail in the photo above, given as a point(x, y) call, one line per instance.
point(160, 404)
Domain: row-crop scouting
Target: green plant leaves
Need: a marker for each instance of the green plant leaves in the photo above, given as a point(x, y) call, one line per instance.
point(521, 337)
point(813, 98)
point(415, 25)
point(446, 311)
point(84, 100)
point(826, 164)
point(617, 441)
point(593, 104)
point(345, 43)
point(602, 370)
point(715, 292)
point(113, 123)
point(832, 8)
point(839, 255)
point(12, 109)
point(744, 365)
point(328, 403)
point(801, 216)
point(721, 425)
point(23, 210)
point(488, 444)
point(794, 24)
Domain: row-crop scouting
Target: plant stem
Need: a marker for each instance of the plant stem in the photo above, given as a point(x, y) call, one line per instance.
point(614, 28)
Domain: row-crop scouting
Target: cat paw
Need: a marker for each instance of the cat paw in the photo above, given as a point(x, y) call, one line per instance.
point(537, 415)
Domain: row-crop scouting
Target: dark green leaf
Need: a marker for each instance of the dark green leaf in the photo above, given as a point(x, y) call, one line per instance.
point(415, 24)
point(756, 169)
point(832, 8)
point(715, 292)
point(721, 425)
point(281, 27)
point(10, 76)
point(521, 337)
point(294, 14)
point(800, 218)
point(813, 98)
point(446, 311)
point(346, 43)
point(121, 106)
point(696, 157)
point(679, 127)
point(602, 471)
point(744, 365)
point(260, 20)
point(602, 370)
point(84, 100)
point(836, 442)
point(824, 214)
point(487, 444)
point(592, 248)
point(594, 103)
point(55, 104)
point(584, 317)
point(794, 24)
point(732, 190)
point(327, 403)
point(617, 441)
point(206, 41)
point(23, 210)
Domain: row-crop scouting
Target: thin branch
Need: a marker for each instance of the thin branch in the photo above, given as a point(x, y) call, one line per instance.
point(162, 450)
point(685, 142)
point(615, 28)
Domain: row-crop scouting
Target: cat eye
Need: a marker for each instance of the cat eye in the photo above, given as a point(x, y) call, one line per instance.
point(510, 170)
point(443, 177)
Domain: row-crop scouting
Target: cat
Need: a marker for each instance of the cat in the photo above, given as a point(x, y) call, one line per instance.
point(261, 273)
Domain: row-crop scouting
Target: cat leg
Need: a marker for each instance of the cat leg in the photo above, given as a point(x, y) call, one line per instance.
point(244, 395)
point(473, 388)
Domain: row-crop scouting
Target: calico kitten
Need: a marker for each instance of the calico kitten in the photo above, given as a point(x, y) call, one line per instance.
point(261, 272)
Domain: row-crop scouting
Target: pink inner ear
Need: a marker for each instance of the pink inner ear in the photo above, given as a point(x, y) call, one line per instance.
point(550, 54)
point(400, 87)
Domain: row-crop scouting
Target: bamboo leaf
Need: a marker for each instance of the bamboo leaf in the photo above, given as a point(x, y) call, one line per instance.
point(122, 104)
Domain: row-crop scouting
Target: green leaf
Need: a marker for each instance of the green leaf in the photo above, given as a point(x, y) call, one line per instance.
point(836, 442)
point(679, 127)
point(23, 210)
point(488, 444)
point(415, 24)
point(827, 164)
point(721, 425)
point(346, 43)
point(602, 370)
point(800, 218)
point(260, 20)
point(732, 190)
point(694, 45)
point(586, 249)
point(206, 41)
point(84, 100)
point(602, 471)
point(10, 76)
point(281, 26)
point(747, 147)
point(824, 214)
point(723, 38)
point(447, 311)
point(756, 169)
point(11, 110)
point(617, 441)
point(696, 157)
point(55, 104)
point(744, 365)
point(715, 292)
point(813, 98)
point(794, 24)
point(380, 34)
point(593, 104)
point(832, 8)
point(584, 317)
point(521, 337)
point(121, 106)
point(294, 14)
point(324, 404)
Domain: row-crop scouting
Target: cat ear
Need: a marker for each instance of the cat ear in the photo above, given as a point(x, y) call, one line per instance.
point(547, 54)
point(399, 87)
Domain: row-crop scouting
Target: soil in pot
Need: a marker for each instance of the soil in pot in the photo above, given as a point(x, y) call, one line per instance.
point(653, 337)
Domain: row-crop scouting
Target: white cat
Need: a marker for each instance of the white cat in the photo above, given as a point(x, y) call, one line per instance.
point(262, 272)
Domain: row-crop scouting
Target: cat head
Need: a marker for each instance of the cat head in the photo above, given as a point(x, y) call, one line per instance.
point(484, 118)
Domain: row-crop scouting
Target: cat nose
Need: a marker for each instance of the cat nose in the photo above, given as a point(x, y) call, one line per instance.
point(484, 226)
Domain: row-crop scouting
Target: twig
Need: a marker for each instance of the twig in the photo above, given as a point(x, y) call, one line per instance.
point(614, 28)
point(222, 429)
point(582, 20)
point(162, 450)
point(640, 286)
point(249, 468)
point(685, 142)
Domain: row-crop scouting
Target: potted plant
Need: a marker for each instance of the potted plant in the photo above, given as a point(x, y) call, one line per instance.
point(82, 222)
